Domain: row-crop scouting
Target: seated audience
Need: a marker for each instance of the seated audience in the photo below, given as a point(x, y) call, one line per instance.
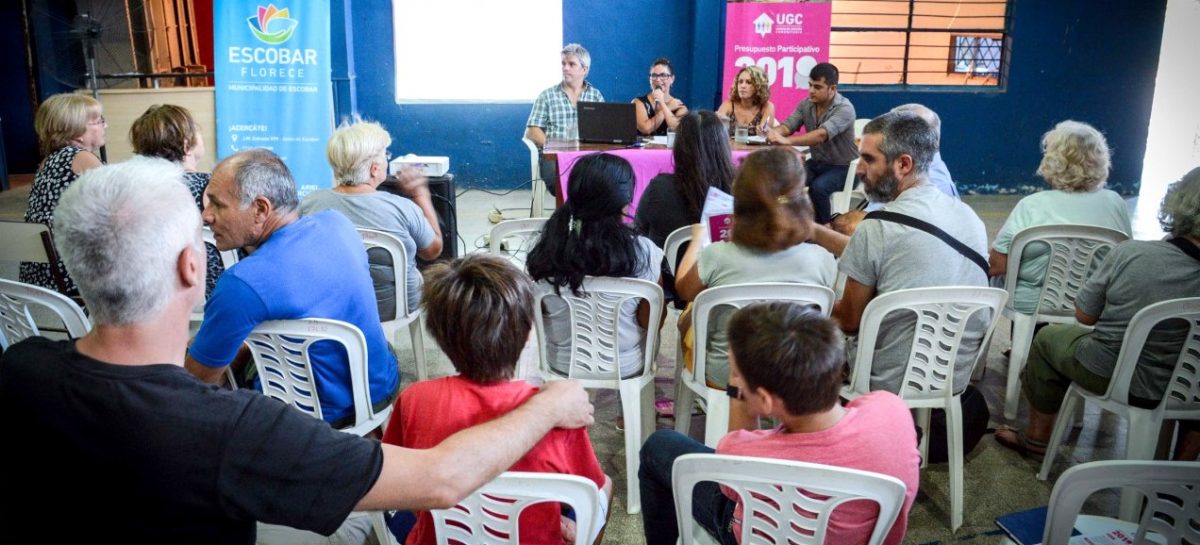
point(1075, 162)
point(772, 219)
point(310, 267)
point(170, 132)
point(359, 157)
point(113, 421)
point(702, 160)
point(70, 129)
point(588, 236)
point(884, 256)
point(786, 361)
point(749, 105)
point(1136, 274)
point(659, 110)
point(479, 309)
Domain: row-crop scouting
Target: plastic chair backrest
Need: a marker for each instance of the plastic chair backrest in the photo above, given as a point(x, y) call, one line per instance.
point(1075, 251)
point(489, 515)
point(16, 322)
point(23, 242)
point(280, 349)
point(1172, 490)
point(229, 258)
point(1182, 398)
point(535, 171)
point(388, 242)
point(785, 501)
point(529, 229)
point(859, 125)
point(595, 313)
point(741, 295)
point(675, 243)
point(943, 314)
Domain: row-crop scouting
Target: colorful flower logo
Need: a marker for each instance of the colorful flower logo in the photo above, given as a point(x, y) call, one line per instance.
point(272, 25)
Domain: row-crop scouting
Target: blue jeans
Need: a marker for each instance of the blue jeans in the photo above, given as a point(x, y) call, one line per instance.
point(824, 180)
point(710, 508)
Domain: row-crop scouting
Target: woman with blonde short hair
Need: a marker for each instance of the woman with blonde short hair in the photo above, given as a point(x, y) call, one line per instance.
point(749, 103)
point(1075, 163)
point(358, 153)
point(170, 132)
point(71, 130)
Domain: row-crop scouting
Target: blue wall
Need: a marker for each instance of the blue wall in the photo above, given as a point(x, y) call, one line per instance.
point(1093, 61)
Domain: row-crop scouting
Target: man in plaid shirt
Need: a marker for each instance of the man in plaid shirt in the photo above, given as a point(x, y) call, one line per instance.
point(553, 114)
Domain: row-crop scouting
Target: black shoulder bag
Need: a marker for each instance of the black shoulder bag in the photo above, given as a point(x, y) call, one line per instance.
point(966, 251)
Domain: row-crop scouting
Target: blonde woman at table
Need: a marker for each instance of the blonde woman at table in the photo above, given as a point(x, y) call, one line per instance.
point(749, 105)
point(659, 110)
point(772, 219)
point(588, 236)
point(71, 129)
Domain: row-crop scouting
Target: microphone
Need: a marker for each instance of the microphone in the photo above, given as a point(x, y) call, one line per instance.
point(658, 88)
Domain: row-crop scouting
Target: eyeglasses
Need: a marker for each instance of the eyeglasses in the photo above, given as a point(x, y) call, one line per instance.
point(733, 392)
point(656, 75)
point(100, 121)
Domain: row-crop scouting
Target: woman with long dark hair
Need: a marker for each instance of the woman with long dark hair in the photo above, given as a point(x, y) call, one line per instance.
point(588, 236)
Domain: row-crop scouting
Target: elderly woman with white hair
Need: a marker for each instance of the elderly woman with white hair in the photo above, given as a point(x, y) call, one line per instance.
point(358, 153)
point(1075, 162)
point(1065, 354)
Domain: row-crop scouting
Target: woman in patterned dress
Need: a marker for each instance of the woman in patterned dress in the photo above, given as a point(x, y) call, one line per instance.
point(71, 130)
point(170, 132)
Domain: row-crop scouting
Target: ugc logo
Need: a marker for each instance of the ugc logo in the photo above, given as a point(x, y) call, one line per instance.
point(272, 25)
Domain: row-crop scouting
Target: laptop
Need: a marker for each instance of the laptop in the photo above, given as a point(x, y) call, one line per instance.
point(607, 122)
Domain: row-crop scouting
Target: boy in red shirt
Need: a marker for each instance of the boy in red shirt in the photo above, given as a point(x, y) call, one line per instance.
point(479, 309)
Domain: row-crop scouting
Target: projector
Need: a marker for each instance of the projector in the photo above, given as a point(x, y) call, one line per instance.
point(429, 166)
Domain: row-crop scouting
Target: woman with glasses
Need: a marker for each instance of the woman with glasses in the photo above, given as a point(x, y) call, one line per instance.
point(749, 105)
point(358, 153)
point(71, 130)
point(659, 110)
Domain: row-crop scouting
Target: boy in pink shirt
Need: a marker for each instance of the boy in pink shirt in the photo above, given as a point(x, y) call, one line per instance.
point(787, 361)
point(479, 309)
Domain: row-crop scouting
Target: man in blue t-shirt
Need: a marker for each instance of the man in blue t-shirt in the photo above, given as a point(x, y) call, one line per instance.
point(311, 267)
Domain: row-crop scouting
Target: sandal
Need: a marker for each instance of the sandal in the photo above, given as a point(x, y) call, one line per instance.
point(1016, 439)
point(665, 407)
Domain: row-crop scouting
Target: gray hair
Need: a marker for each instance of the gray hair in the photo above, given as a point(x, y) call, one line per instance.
point(1075, 157)
point(927, 114)
point(905, 133)
point(577, 51)
point(119, 229)
point(352, 150)
point(1180, 210)
point(261, 173)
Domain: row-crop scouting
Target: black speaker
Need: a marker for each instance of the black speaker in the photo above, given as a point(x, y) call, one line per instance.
point(442, 193)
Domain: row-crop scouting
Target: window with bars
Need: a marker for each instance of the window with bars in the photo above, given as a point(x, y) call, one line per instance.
point(921, 42)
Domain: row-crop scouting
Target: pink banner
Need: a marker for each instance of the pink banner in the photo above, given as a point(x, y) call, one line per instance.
point(785, 40)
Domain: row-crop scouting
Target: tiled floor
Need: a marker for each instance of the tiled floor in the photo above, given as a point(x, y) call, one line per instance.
point(998, 481)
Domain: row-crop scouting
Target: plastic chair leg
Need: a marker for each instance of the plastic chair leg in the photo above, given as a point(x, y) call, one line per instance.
point(635, 401)
point(1065, 416)
point(716, 423)
point(1022, 339)
point(1141, 440)
point(922, 420)
point(537, 204)
point(418, 345)
point(955, 448)
point(683, 396)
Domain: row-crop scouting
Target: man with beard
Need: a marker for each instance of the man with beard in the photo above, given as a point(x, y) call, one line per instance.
point(884, 255)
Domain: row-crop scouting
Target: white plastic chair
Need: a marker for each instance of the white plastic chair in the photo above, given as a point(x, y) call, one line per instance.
point(1172, 490)
point(943, 314)
point(524, 231)
point(1075, 251)
point(675, 243)
point(280, 350)
point(594, 360)
point(489, 515)
point(783, 501)
point(30, 242)
point(537, 204)
point(402, 317)
point(229, 258)
point(691, 384)
point(16, 321)
point(1181, 401)
point(840, 200)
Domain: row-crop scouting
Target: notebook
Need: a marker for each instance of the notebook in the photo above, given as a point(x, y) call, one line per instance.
point(1026, 527)
point(607, 122)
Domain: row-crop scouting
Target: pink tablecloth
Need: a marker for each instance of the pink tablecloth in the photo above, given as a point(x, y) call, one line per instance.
point(647, 163)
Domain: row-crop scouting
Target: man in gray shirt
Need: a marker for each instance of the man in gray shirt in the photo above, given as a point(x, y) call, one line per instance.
point(883, 256)
point(828, 119)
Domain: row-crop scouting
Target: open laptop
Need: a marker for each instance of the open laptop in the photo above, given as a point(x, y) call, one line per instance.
point(607, 122)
